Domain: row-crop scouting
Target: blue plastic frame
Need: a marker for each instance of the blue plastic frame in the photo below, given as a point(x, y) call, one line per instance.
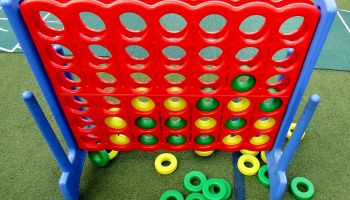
point(72, 165)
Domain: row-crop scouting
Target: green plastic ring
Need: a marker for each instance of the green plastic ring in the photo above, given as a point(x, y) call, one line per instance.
point(194, 176)
point(176, 139)
point(262, 176)
point(228, 189)
point(243, 85)
point(208, 89)
point(204, 139)
point(99, 158)
point(235, 123)
point(207, 104)
point(148, 139)
point(214, 189)
point(145, 122)
point(196, 196)
point(270, 104)
point(300, 195)
point(175, 123)
point(171, 194)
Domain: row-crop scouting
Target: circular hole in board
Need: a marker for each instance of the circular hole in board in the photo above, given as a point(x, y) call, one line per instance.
point(132, 21)
point(137, 52)
point(213, 23)
point(92, 21)
point(252, 24)
point(173, 22)
point(51, 21)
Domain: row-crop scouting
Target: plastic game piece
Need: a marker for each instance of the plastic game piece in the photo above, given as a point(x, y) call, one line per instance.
point(119, 139)
point(176, 139)
point(205, 123)
point(175, 123)
point(99, 158)
point(235, 123)
point(270, 104)
point(148, 139)
point(174, 89)
point(228, 189)
point(195, 196)
point(208, 89)
point(248, 171)
point(265, 123)
point(204, 153)
point(194, 181)
point(291, 129)
point(247, 152)
point(263, 156)
point(243, 83)
point(263, 176)
point(165, 157)
point(260, 139)
point(204, 139)
point(232, 139)
point(239, 104)
point(145, 122)
point(143, 104)
point(115, 122)
point(141, 89)
point(112, 154)
point(175, 104)
point(214, 189)
point(207, 104)
point(303, 182)
point(171, 194)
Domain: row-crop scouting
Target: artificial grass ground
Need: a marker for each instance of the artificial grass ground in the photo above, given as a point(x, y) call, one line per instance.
point(28, 170)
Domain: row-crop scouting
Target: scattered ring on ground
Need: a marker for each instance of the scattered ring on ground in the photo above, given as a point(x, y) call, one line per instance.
point(205, 123)
point(265, 123)
point(247, 152)
point(112, 154)
point(228, 189)
point(148, 139)
point(263, 156)
point(263, 176)
point(115, 122)
point(175, 104)
point(232, 139)
point(270, 104)
point(239, 104)
point(145, 122)
point(194, 181)
point(143, 104)
point(204, 139)
point(207, 104)
point(214, 189)
point(165, 169)
point(176, 139)
point(235, 123)
point(204, 153)
point(195, 196)
point(175, 123)
point(248, 171)
point(171, 194)
point(119, 139)
point(291, 129)
point(99, 158)
point(243, 83)
point(303, 182)
point(260, 139)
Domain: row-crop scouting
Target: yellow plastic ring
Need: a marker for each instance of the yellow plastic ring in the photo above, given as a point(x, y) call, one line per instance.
point(115, 122)
point(205, 123)
point(119, 139)
point(163, 158)
point(248, 171)
point(265, 123)
point(112, 154)
point(204, 153)
point(291, 129)
point(175, 104)
point(238, 104)
point(263, 156)
point(247, 152)
point(141, 89)
point(232, 139)
point(143, 104)
point(174, 89)
point(259, 139)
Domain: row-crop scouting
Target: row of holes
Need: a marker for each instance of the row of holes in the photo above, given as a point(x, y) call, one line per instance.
point(174, 23)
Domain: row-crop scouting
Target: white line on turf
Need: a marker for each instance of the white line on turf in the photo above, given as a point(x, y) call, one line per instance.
point(46, 16)
point(341, 18)
point(344, 10)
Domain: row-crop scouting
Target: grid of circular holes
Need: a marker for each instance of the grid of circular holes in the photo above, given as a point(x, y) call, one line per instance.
point(283, 54)
point(99, 51)
point(291, 25)
point(210, 53)
point(175, 78)
point(132, 22)
point(252, 24)
point(137, 52)
point(92, 21)
point(53, 23)
point(213, 23)
point(140, 77)
point(247, 53)
point(106, 77)
point(67, 53)
point(174, 52)
point(208, 78)
point(172, 22)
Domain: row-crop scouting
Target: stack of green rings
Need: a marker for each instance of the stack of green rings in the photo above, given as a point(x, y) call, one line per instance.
point(176, 139)
point(235, 123)
point(148, 139)
point(175, 123)
point(207, 104)
point(243, 85)
point(204, 139)
point(145, 122)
